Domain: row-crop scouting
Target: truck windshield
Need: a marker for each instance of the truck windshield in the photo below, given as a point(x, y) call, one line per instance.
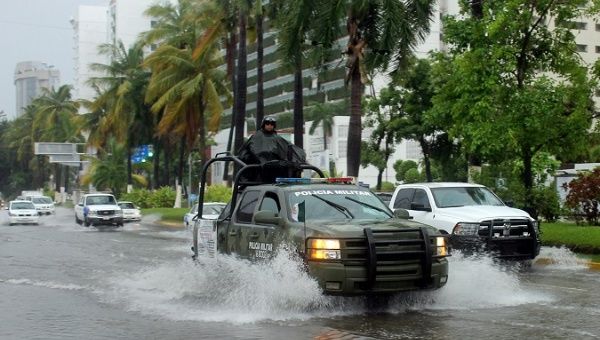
point(99, 200)
point(464, 196)
point(41, 200)
point(353, 204)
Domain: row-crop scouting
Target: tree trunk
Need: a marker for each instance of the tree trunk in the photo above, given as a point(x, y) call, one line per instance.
point(527, 177)
point(426, 158)
point(57, 177)
point(167, 173)
point(129, 167)
point(156, 163)
point(230, 56)
point(181, 160)
point(201, 142)
point(260, 106)
point(298, 105)
point(379, 179)
point(354, 128)
point(240, 111)
point(477, 8)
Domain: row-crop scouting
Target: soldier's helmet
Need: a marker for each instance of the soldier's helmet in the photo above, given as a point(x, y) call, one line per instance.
point(269, 119)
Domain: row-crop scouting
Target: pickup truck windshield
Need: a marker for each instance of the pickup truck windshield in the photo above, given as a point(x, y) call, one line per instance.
point(362, 205)
point(464, 196)
point(99, 200)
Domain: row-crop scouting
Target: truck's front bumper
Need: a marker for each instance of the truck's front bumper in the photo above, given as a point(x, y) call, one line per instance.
point(506, 248)
point(336, 278)
point(105, 220)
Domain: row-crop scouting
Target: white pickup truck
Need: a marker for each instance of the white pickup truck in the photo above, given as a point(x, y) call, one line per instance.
point(473, 215)
point(98, 209)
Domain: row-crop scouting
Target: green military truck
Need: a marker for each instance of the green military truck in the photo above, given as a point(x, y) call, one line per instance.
point(352, 244)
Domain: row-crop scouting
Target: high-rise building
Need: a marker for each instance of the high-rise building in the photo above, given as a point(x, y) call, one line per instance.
point(30, 78)
point(90, 31)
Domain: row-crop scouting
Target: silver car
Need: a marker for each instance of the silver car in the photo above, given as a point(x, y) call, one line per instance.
point(211, 211)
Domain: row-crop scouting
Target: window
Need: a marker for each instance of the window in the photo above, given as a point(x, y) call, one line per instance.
point(581, 48)
point(270, 202)
point(153, 23)
point(403, 198)
point(597, 27)
point(421, 199)
point(597, 49)
point(247, 205)
point(580, 25)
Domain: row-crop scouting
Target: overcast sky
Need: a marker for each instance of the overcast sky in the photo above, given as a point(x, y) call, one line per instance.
point(36, 30)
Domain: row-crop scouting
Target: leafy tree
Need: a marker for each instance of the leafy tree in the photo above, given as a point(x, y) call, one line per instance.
point(584, 195)
point(402, 167)
point(500, 98)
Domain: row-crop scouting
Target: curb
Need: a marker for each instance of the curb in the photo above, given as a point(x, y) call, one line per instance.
point(544, 261)
point(169, 224)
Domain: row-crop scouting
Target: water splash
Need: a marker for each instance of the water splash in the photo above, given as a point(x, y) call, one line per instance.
point(228, 289)
point(560, 258)
point(46, 284)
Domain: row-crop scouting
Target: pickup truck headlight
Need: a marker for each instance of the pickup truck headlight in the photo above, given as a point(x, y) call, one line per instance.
point(119, 213)
point(323, 249)
point(92, 213)
point(441, 247)
point(536, 226)
point(466, 229)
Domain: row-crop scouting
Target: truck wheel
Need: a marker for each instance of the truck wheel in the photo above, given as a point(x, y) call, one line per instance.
point(77, 220)
point(86, 222)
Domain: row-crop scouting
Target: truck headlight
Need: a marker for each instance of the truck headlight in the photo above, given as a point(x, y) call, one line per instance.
point(441, 247)
point(536, 226)
point(119, 213)
point(92, 213)
point(323, 249)
point(466, 229)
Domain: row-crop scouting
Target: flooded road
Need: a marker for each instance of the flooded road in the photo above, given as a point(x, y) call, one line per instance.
point(61, 280)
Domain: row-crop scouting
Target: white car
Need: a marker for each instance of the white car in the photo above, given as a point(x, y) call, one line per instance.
point(211, 211)
point(130, 211)
point(473, 215)
point(43, 204)
point(22, 212)
point(98, 209)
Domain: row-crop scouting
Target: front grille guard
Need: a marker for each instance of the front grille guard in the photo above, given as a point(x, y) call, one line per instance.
point(425, 252)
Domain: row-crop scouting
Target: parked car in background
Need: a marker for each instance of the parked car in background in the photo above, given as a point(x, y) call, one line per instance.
point(385, 197)
point(22, 212)
point(98, 209)
point(473, 215)
point(211, 211)
point(43, 204)
point(130, 211)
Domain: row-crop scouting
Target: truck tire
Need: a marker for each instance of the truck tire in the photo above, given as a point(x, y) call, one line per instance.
point(77, 220)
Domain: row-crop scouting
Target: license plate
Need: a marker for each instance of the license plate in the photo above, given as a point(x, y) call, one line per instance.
point(106, 218)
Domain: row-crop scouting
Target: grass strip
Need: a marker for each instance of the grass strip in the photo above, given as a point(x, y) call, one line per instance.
point(578, 238)
point(167, 214)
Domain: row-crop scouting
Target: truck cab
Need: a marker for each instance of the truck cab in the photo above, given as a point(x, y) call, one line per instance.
point(351, 243)
point(476, 219)
point(98, 209)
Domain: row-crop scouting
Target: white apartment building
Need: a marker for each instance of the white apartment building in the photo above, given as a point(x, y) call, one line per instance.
point(90, 31)
point(30, 78)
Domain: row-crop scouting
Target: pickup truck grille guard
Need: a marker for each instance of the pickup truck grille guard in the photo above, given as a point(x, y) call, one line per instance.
point(510, 237)
point(392, 248)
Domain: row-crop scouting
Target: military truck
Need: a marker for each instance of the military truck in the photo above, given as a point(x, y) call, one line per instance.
point(350, 241)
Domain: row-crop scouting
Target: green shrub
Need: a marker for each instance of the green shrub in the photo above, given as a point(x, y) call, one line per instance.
point(143, 198)
point(387, 187)
point(163, 198)
point(217, 193)
point(412, 175)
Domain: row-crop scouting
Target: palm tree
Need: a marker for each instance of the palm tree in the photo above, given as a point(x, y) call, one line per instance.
point(109, 171)
point(186, 82)
point(322, 114)
point(381, 35)
point(54, 118)
point(123, 89)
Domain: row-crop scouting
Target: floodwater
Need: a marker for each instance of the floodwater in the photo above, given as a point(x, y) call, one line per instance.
point(60, 280)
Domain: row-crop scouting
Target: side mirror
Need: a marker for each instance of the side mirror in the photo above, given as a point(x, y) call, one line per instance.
point(402, 213)
point(509, 203)
point(419, 207)
point(266, 217)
